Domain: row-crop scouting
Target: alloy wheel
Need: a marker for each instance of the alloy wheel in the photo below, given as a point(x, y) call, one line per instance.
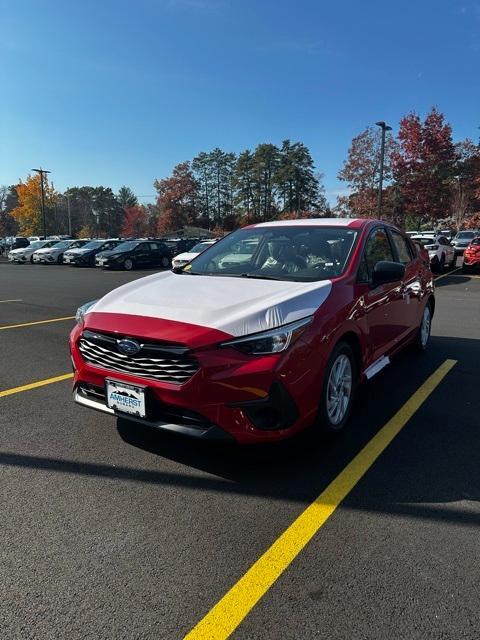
point(339, 389)
point(425, 327)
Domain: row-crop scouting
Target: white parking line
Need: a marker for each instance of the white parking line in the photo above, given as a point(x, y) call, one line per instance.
point(14, 300)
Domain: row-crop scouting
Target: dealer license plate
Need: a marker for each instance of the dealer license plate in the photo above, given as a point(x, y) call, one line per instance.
point(126, 398)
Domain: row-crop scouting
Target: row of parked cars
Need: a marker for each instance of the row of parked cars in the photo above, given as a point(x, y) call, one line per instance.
point(110, 253)
point(443, 248)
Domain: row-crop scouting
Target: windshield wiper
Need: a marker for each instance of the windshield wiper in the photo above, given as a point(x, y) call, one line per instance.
point(259, 276)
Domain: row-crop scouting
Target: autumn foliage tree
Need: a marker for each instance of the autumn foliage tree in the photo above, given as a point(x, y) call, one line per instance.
point(423, 166)
point(135, 222)
point(28, 213)
point(176, 199)
point(361, 171)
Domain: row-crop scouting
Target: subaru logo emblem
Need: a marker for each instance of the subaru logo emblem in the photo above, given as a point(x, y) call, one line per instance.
point(128, 347)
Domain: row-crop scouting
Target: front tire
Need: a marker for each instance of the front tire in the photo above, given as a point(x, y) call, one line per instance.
point(165, 262)
point(128, 264)
point(338, 389)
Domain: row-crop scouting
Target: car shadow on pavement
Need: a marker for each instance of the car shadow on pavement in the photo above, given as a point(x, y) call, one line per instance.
point(454, 278)
point(430, 470)
point(433, 461)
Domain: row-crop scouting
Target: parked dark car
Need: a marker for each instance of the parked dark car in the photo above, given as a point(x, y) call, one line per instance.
point(85, 256)
point(135, 253)
point(181, 245)
point(19, 243)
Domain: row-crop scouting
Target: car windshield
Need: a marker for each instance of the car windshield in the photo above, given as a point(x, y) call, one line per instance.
point(475, 242)
point(36, 244)
point(279, 252)
point(201, 246)
point(61, 245)
point(465, 235)
point(94, 244)
point(126, 246)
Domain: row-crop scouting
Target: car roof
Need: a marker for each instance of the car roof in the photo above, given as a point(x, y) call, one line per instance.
point(353, 223)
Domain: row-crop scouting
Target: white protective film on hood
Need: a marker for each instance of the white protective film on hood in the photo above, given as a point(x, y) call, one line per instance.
point(237, 306)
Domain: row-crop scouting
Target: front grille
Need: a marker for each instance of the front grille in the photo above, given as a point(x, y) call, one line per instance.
point(155, 361)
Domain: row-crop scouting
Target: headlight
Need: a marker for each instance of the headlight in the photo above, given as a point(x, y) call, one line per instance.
point(271, 341)
point(83, 310)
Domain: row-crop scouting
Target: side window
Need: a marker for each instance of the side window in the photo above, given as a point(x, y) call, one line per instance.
point(153, 246)
point(376, 250)
point(401, 246)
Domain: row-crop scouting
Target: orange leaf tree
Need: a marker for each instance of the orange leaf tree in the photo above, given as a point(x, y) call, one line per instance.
point(28, 213)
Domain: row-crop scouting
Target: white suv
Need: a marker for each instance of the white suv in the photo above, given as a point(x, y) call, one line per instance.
point(440, 251)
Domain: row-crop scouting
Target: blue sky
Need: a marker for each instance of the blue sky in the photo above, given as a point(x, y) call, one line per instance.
point(117, 92)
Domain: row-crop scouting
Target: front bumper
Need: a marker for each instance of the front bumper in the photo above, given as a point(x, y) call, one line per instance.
point(94, 398)
point(231, 396)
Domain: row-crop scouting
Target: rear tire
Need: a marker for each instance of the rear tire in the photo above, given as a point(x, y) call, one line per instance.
point(441, 264)
point(165, 262)
point(338, 389)
point(423, 334)
point(465, 268)
point(128, 264)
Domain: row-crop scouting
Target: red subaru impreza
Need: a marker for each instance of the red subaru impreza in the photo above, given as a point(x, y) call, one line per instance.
point(267, 332)
point(471, 256)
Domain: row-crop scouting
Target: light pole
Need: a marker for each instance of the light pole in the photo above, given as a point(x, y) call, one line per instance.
point(69, 215)
point(384, 127)
point(41, 172)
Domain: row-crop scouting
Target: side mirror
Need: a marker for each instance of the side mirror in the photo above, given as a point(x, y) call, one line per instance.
point(384, 272)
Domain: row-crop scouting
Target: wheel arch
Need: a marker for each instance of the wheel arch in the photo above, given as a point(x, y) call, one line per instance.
point(353, 341)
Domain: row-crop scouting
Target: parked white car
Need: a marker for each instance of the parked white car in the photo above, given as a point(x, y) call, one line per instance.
point(25, 253)
point(184, 258)
point(54, 254)
point(440, 251)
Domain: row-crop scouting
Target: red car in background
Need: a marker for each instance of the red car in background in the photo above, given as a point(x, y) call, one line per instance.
point(471, 256)
point(259, 349)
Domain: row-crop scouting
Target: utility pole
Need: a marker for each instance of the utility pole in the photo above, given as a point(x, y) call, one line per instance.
point(69, 216)
point(384, 127)
point(41, 173)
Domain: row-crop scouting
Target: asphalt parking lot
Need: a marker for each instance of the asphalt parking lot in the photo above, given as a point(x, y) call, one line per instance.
point(111, 531)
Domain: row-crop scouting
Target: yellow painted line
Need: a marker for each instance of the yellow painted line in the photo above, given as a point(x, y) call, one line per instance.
point(466, 275)
point(447, 274)
point(229, 612)
point(35, 385)
point(15, 300)
point(31, 324)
